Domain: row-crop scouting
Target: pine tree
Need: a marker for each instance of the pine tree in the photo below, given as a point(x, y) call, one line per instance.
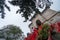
point(27, 7)
point(2, 5)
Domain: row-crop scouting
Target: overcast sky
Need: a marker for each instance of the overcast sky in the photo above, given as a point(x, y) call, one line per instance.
point(16, 19)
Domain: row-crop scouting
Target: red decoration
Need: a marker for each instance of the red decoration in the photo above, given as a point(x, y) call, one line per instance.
point(34, 35)
point(57, 26)
point(26, 38)
point(50, 37)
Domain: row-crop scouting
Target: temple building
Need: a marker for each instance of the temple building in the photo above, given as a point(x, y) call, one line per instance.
point(48, 15)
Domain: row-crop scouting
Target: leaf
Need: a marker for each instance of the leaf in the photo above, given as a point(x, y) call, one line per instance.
point(28, 6)
point(2, 5)
point(7, 7)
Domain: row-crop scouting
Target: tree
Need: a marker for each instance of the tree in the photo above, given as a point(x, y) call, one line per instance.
point(44, 33)
point(12, 32)
point(29, 6)
point(2, 5)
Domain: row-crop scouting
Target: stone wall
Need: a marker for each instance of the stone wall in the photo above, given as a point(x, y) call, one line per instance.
point(55, 19)
point(48, 13)
point(37, 17)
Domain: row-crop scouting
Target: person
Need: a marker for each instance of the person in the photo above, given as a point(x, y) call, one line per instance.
point(39, 27)
point(39, 24)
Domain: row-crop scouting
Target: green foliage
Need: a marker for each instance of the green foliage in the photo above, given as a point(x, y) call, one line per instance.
point(28, 6)
point(10, 32)
point(2, 5)
point(43, 34)
point(46, 27)
point(15, 30)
